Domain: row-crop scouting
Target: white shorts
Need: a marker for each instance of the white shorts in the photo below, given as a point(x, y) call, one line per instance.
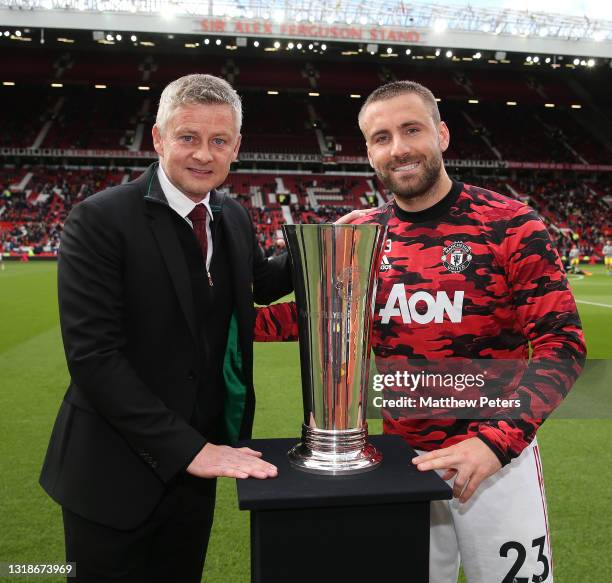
point(501, 534)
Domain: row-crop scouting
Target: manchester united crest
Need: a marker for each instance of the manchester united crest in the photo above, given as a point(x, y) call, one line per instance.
point(457, 256)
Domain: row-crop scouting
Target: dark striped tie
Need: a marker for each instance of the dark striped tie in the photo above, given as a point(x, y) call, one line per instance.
point(198, 218)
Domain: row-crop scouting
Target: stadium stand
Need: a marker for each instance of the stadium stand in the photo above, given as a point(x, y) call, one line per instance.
point(34, 216)
point(77, 123)
point(277, 123)
point(304, 157)
point(22, 115)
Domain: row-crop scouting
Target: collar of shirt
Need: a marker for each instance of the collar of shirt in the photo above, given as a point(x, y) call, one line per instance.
point(177, 201)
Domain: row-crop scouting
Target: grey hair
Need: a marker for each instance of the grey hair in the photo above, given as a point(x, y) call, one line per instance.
point(397, 88)
point(197, 89)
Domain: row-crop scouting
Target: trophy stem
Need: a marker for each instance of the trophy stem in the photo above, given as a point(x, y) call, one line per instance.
point(334, 452)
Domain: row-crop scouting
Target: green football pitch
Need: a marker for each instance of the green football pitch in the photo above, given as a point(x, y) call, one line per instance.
point(33, 378)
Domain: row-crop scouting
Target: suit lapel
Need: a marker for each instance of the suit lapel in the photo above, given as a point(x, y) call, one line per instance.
point(160, 219)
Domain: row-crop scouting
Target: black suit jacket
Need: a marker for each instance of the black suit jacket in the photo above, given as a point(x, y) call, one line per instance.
point(126, 303)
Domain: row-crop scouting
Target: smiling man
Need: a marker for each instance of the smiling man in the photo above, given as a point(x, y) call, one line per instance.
point(468, 276)
point(411, 168)
point(472, 275)
point(157, 279)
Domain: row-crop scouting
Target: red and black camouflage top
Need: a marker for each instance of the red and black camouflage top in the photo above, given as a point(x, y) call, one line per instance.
point(474, 277)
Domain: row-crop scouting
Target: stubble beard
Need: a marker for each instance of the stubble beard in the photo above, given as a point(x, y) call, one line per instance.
point(418, 187)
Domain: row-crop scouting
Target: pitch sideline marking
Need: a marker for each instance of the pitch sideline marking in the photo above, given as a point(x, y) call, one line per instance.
point(593, 304)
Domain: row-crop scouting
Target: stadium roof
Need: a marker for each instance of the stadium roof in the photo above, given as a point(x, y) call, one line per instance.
point(390, 22)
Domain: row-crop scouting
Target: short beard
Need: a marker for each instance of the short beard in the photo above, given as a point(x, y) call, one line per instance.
point(432, 172)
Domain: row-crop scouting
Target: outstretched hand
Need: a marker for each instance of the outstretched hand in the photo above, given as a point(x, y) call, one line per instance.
point(471, 462)
point(222, 461)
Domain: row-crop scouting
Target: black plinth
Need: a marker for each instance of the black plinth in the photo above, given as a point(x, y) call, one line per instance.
point(322, 529)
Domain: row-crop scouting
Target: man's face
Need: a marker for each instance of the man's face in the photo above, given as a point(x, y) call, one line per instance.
point(197, 146)
point(405, 145)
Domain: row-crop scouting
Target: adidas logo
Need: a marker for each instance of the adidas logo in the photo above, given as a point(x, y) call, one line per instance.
point(385, 265)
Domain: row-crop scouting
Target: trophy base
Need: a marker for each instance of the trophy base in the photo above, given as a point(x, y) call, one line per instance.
point(334, 453)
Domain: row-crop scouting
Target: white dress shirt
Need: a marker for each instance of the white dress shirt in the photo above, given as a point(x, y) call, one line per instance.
point(183, 205)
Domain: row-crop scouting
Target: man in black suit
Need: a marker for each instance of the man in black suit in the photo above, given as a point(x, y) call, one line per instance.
point(157, 279)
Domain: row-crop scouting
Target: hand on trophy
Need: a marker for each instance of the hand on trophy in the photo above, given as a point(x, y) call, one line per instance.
point(352, 216)
point(222, 461)
point(470, 461)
